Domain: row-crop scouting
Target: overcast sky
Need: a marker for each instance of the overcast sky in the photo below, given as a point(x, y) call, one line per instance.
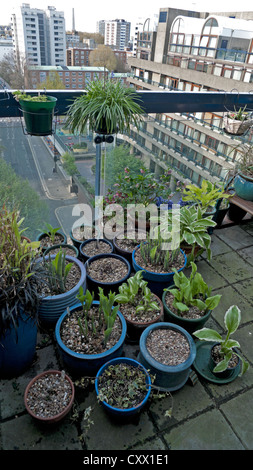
point(87, 13)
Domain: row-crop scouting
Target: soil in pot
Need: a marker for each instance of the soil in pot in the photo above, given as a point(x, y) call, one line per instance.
point(65, 249)
point(191, 314)
point(96, 247)
point(128, 243)
point(167, 346)
point(83, 233)
point(46, 242)
point(107, 269)
point(48, 395)
point(217, 357)
point(93, 341)
point(178, 263)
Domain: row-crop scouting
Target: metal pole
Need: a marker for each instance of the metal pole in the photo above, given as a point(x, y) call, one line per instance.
point(98, 169)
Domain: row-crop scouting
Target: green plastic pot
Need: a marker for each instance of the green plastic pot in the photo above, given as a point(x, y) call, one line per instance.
point(189, 324)
point(38, 116)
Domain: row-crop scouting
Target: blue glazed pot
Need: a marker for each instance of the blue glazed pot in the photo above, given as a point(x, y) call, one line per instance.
point(87, 364)
point(243, 186)
point(82, 253)
point(122, 412)
point(17, 356)
point(52, 306)
point(168, 377)
point(157, 282)
point(93, 284)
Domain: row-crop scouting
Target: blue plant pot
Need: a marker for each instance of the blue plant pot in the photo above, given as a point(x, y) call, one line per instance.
point(93, 284)
point(122, 412)
point(243, 186)
point(157, 282)
point(43, 234)
point(168, 377)
point(52, 306)
point(87, 364)
point(82, 253)
point(17, 356)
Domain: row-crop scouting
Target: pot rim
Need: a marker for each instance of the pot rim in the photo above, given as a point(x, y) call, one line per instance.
point(135, 363)
point(186, 320)
point(64, 411)
point(153, 272)
point(163, 367)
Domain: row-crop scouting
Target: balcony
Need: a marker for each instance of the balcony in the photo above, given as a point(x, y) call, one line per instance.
point(205, 415)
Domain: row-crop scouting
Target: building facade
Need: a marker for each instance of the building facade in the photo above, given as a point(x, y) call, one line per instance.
point(74, 78)
point(116, 33)
point(77, 56)
point(192, 51)
point(39, 36)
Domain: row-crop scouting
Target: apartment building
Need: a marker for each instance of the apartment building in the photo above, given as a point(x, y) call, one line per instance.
point(74, 78)
point(116, 33)
point(192, 51)
point(78, 56)
point(39, 36)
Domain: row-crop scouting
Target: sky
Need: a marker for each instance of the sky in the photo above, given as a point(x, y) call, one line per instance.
point(88, 13)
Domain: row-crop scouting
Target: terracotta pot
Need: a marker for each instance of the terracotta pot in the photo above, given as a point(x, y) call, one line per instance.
point(59, 416)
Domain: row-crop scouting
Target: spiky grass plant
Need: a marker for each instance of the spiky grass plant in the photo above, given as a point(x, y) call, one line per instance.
point(106, 104)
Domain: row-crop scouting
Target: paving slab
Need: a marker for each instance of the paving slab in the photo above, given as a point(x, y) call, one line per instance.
point(235, 237)
point(209, 431)
point(239, 414)
point(232, 295)
point(232, 267)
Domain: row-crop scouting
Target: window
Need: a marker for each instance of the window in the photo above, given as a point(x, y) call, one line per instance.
point(163, 17)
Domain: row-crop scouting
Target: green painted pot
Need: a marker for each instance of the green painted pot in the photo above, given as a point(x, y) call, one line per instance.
point(38, 116)
point(189, 324)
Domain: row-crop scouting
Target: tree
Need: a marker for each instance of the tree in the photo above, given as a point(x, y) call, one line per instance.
point(68, 163)
point(117, 160)
point(11, 73)
point(103, 56)
point(52, 82)
point(17, 193)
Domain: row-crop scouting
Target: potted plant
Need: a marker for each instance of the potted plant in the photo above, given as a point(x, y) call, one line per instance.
point(123, 386)
point(189, 302)
point(205, 196)
point(19, 297)
point(49, 396)
point(125, 243)
point(67, 248)
point(64, 276)
point(139, 306)
point(238, 122)
point(167, 351)
point(38, 112)
point(243, 178)
point(221, 210)
point(81, 233)
point(107, 271)
point(156, 262)
point(193, 231)
point(90, 333)
point(109, 107)
point(93, 247)
point(51, 236)
point(221, 360)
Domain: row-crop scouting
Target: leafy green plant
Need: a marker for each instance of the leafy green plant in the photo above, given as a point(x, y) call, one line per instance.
point(18, 277)
point(206, 196)
point(86, 300)
point(192, 291)
point(51, 231)
point(232, 320)
point(193, 229)
point(240, 115)
point(58, 271)
point(105, 102)
point(22, 96)
point(110, 312)
point(153, 252)
point(136, 286)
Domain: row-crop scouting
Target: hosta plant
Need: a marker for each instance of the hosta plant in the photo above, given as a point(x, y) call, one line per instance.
point(206, 195)
point(136, 293)
point(232, 320)
point(192, 291)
